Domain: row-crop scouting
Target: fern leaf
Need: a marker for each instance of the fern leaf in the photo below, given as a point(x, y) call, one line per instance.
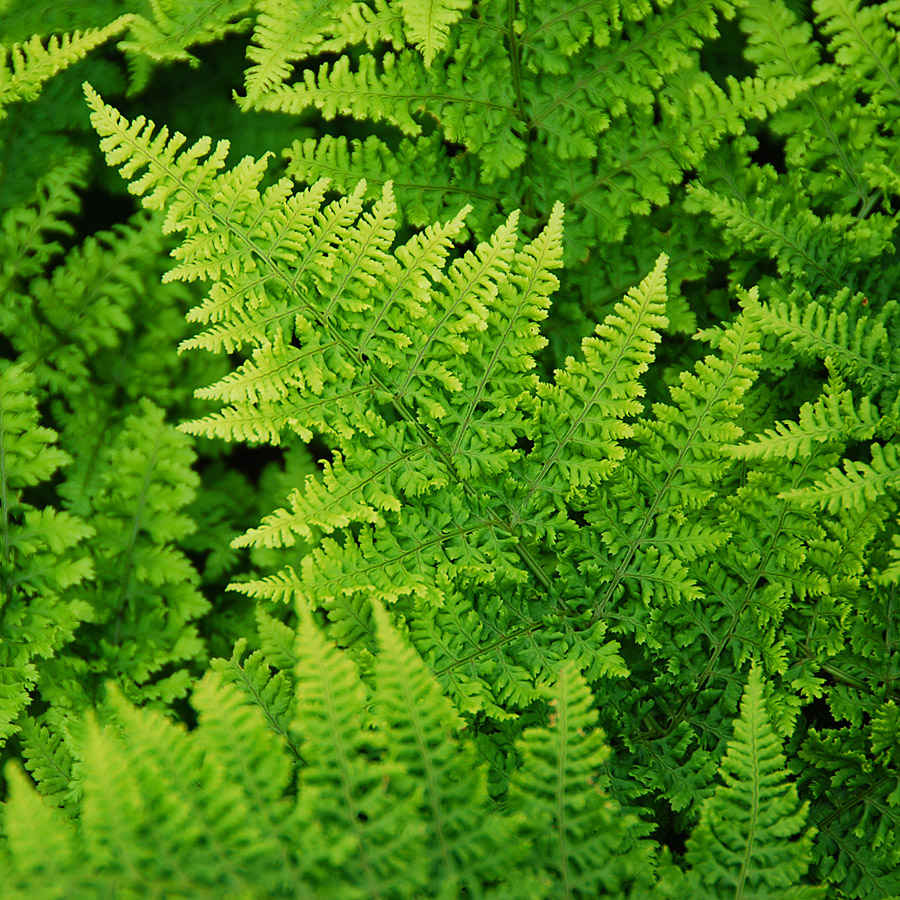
point(440, 770)
point(856, 483)
point(428, 23)
point(746, 843)
point(271, 692)
point(174, 28)
point(862, 40)
point(25, 67)
point(29, 231)
point(580, 415)
point(834, 417)
point(285, 32)
point(144, 599)
point(25, 814)
point(342, 789)
point(47, 758)
point(391, 95)
point(580, 841)
point(41, 568)
point(858, 345)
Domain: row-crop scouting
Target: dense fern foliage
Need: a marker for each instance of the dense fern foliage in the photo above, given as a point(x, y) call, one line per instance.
point(484, 483)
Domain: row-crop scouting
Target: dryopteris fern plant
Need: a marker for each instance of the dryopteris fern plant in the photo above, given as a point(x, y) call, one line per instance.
point(512, 523)
point(645, 535)
point(313, 782)
point(453, 465)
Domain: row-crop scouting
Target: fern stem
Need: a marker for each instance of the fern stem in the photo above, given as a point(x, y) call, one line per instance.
point(838, 811)
point(843, 677)
point(868, 204)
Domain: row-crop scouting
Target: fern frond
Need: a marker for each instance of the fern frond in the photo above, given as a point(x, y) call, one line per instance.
point(428, 23)
point(175, 27)
point(50, 859)
point(85, 306)
point(271, 691)
point(25, 67)
point(579, 839)
point(835, 416)
point(287, 31)
point(863, 41)
point(464, 839)
point(578, 423)
point(47, 758)
point(389, 92)
point(813, 252)
point(28, 240)
point(857, 344)
point(746, 843)
point(41, 567)
point(143, 597)
point(856, 483)
point(342, 789)
point(853, 781)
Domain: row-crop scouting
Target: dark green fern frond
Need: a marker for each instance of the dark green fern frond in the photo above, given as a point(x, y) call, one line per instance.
point(31, 232)
point(42, 569)
point(59, 324)
point(864, 41)
point(174, 28)
point(143, 598)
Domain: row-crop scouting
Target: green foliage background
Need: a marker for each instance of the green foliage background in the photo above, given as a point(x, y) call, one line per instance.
point(449, 448)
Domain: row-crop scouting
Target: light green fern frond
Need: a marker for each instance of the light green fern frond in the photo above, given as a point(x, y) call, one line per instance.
point(428, 22)
point(288, 31)
point(441, 770)
point(25, 67)
point(751, 840)
point(855, 483)
point(580, 841)
point(835, 416)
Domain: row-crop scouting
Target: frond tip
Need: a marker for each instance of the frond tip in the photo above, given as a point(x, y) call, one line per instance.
point(25, 67)
point(746, 844)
